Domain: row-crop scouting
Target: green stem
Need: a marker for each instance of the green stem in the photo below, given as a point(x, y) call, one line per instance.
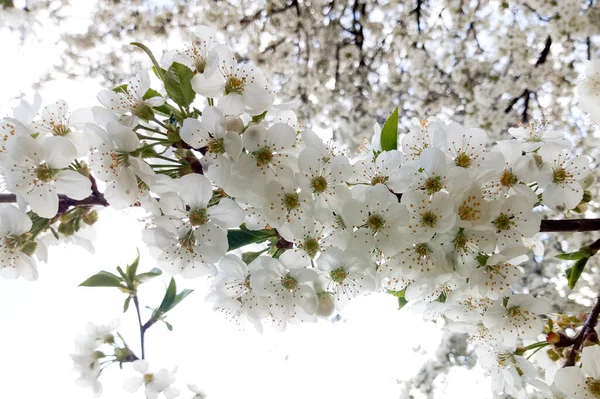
point(159, 70)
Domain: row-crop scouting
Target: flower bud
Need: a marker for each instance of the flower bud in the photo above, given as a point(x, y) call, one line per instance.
point(235, 124)
point(559, 340)
point(90, 218)
point(326, 305)
point(29, 247)
point(125, 355)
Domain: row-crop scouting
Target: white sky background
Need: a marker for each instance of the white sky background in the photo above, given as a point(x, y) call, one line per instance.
point(362, 356)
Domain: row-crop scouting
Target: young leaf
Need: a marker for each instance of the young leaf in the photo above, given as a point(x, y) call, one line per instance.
point(169, 297)
point(389, 132)
point(102, 279)
point(241, 237)
point(178, 84)
point(248, 257)
point(132, 269)
point(574, 272)
point(126, 304)
point(143, 277)
point(582, 253)
point(260, 117)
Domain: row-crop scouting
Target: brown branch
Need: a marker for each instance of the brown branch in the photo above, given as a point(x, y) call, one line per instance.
point(590, 322)
point(555, 226)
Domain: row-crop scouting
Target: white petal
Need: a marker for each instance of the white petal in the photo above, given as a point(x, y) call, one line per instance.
point(73, 184)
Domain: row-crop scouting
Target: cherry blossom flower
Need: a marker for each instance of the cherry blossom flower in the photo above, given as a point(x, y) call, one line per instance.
point(37, 171)
point(582, 382)
point(562, 185)
point(131, 98)
point(154, 383)
point(428, 216)
point(239, 88)
point(348, 274)
point(15, 247)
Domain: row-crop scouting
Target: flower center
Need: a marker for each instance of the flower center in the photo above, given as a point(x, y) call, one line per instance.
point(460, 240)
point(508, 179)
point(291, 201)
point(422, 250)
point(467, 212)
point(199, 64)
point(433, 184)
point(188, 241)
point(263, 156)
point(235, 85)
point(559, 175)
point(216, 146)
point(339, 222)
point(311, 246)
point(429, 219)
point(318, 184)
point(503, 222)
point(44, 173)
point(119, 159)
point(59, 129)
point(462, 160)
point(338, 275)
point(375, 222)
point(289, 283)
point(198, 216)
point(593, 386)
point(148, 378)
point(379, 179)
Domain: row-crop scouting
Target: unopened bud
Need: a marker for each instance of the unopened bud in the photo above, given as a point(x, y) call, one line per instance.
point(29, 247)
point(66, 228)
point(234, 124)
point(587, 196)
point(559, 340)
point(326, 305)
point(125, 355)
point(90, 218)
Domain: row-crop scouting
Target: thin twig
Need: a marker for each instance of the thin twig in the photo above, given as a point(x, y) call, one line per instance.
point(589, 324)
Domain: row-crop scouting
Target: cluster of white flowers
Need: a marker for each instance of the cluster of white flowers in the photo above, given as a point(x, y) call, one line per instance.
point(442, 220)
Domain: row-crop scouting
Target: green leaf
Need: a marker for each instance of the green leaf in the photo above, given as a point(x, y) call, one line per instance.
point(102, 279)
point(120, 88)
point(178, 84)
point(122, 273)
point(238, 238)
point(574, 272)
point(126, 304)
point(150, 93)
point(400, 295)
point(169, 326)
point(132, 269)
point(584, 252)
point(169, 296)
point(143, 277)
point(389, 132)
point(249, 257)
point(159, 73)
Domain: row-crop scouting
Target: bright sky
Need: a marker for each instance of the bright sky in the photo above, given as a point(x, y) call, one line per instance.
point(362, 356)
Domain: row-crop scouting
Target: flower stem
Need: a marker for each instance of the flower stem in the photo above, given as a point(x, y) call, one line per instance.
point(142, 326)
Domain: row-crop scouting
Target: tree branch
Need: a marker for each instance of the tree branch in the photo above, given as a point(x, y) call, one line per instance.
point(589, 324)
point(554, 226)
